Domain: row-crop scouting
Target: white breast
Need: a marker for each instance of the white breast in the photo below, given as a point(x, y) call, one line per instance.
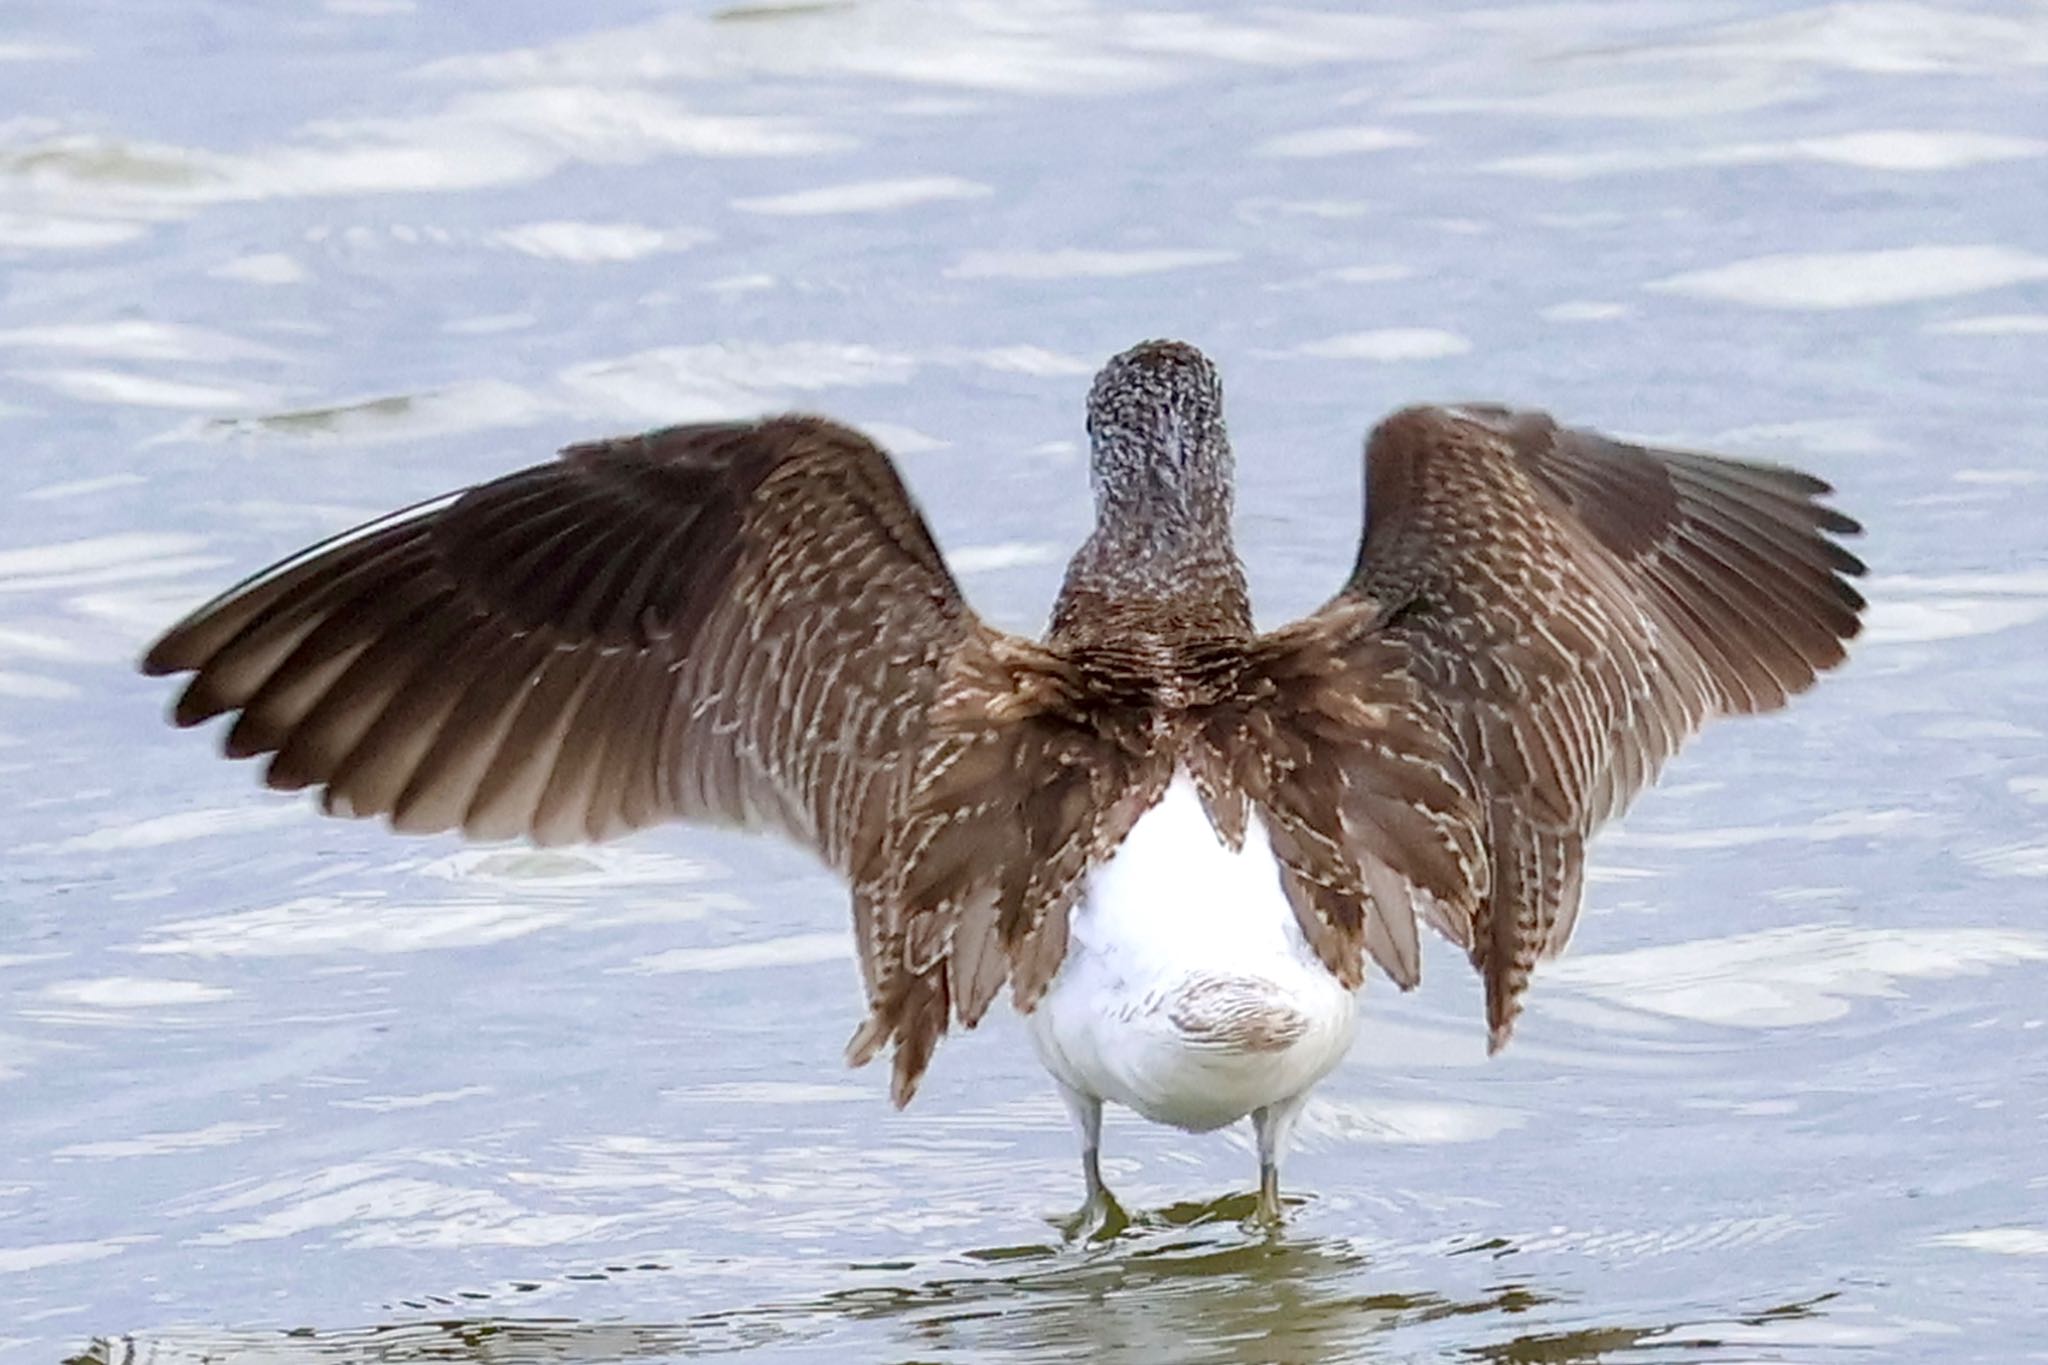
point(1188, 992)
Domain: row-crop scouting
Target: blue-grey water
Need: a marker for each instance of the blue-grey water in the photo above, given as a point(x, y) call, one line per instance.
point(279, 1088)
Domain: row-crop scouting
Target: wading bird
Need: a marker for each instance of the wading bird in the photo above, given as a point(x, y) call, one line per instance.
point(1178, 839)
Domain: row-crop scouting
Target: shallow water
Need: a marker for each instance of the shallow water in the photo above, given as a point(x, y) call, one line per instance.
point(281, 1088)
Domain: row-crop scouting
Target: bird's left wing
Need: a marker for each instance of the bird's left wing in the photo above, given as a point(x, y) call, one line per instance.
point(1562, 611)
point(740, 623)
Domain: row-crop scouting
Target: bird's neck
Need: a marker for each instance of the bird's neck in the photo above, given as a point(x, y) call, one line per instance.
point(1154, 571)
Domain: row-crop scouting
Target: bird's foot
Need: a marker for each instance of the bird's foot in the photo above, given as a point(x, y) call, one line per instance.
point(1098, 1220)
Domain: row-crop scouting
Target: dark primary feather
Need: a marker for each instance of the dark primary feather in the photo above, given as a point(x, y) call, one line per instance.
point(1572, 608)
point(741, 623)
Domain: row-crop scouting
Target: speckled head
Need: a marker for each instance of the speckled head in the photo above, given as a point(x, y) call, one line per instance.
point(1155, 422)
point(1160, 561)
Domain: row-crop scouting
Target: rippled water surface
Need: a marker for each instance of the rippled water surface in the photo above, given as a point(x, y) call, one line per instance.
point(280, 1088)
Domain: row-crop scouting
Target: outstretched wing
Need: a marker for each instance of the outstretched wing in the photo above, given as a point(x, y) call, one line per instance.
point(741, 623)
point(1572, 608)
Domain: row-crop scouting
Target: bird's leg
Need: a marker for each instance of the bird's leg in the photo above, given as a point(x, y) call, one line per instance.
point(1101, 1215)
point(1273, 1123)
point(1268, 1210)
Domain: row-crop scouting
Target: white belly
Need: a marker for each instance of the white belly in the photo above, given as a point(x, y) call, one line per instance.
point(1188, 992)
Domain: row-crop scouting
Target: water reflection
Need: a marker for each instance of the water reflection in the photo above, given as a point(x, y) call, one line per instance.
point(1189, 1296)
point(1184, 1297)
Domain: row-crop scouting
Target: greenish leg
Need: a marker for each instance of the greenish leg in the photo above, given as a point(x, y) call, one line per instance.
point(1273, 1124)
point(1101, 1216)
point(1269, 1211)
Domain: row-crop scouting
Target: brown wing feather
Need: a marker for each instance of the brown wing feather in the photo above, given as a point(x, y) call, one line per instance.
point(630, 633)
point(1571, 609)
point(741, 623)
point(1362, 797)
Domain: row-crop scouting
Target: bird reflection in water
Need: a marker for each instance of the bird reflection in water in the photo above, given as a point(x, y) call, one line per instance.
point(1186, 1285)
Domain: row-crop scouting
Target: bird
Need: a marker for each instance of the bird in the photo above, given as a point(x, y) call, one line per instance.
point(1180, 841)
